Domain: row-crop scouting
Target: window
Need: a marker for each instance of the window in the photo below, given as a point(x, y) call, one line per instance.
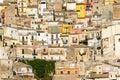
point(22, 51)
point(99, 67)
point(38, 26)
point(111, 75)
point(32, 22)
point(26, 37)
point(11, 32)
point(22, 4)
point(68, 72)
point(0, 37)
point(57, 38)
point(34, 52)
point(52, 38)
point(74, 40)
point(119, 40)
point(23, 38)
point(44, 50)
point(80, 7)
point(64, 40)
point(75, 72)
point(44, 57)
point(66, 30)
point(32, 37)
point(97, 7)
point(19, 69)
point(8, 62)
point(5, 44)
point(38, 34)
point(34, 57)
point(61, 72)
point(51, 58)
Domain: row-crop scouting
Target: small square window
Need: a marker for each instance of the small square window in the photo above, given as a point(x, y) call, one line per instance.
point(75, 72)
point(68, 72)
point(119, 39)
point(38, 34)
point(99, 67)
point(44, 50)
point(80, 7)
point(61, 72)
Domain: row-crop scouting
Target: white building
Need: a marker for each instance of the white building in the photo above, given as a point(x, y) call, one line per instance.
point(42, 37)
point(42, 6)
point(11, 32)
point(26, 36)
point(110, 39)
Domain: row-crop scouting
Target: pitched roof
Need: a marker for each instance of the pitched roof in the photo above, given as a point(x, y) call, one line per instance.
point(20, 64)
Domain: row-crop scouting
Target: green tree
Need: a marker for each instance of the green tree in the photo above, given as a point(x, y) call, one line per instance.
point(41, 68)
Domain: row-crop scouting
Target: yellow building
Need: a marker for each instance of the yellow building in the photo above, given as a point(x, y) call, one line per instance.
point(3, 6)
point(80, 10)
point(22, 5)
point(107, 2)
point(66, 29)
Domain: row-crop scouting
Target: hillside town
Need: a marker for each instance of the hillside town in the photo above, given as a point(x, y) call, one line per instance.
point(81, 36)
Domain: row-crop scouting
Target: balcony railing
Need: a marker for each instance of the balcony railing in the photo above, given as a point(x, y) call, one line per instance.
point(44, 53)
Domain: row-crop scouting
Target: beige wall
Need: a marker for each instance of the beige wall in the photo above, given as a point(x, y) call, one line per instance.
point(110, 31)
point(65, 70)
point(117, 45)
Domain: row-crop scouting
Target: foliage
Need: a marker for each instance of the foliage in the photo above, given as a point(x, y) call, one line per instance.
point(41, 68)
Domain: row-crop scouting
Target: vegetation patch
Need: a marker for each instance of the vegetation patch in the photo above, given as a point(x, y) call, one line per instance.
point(42, 69)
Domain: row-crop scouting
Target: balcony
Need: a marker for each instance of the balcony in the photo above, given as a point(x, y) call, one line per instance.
point(24, 42)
